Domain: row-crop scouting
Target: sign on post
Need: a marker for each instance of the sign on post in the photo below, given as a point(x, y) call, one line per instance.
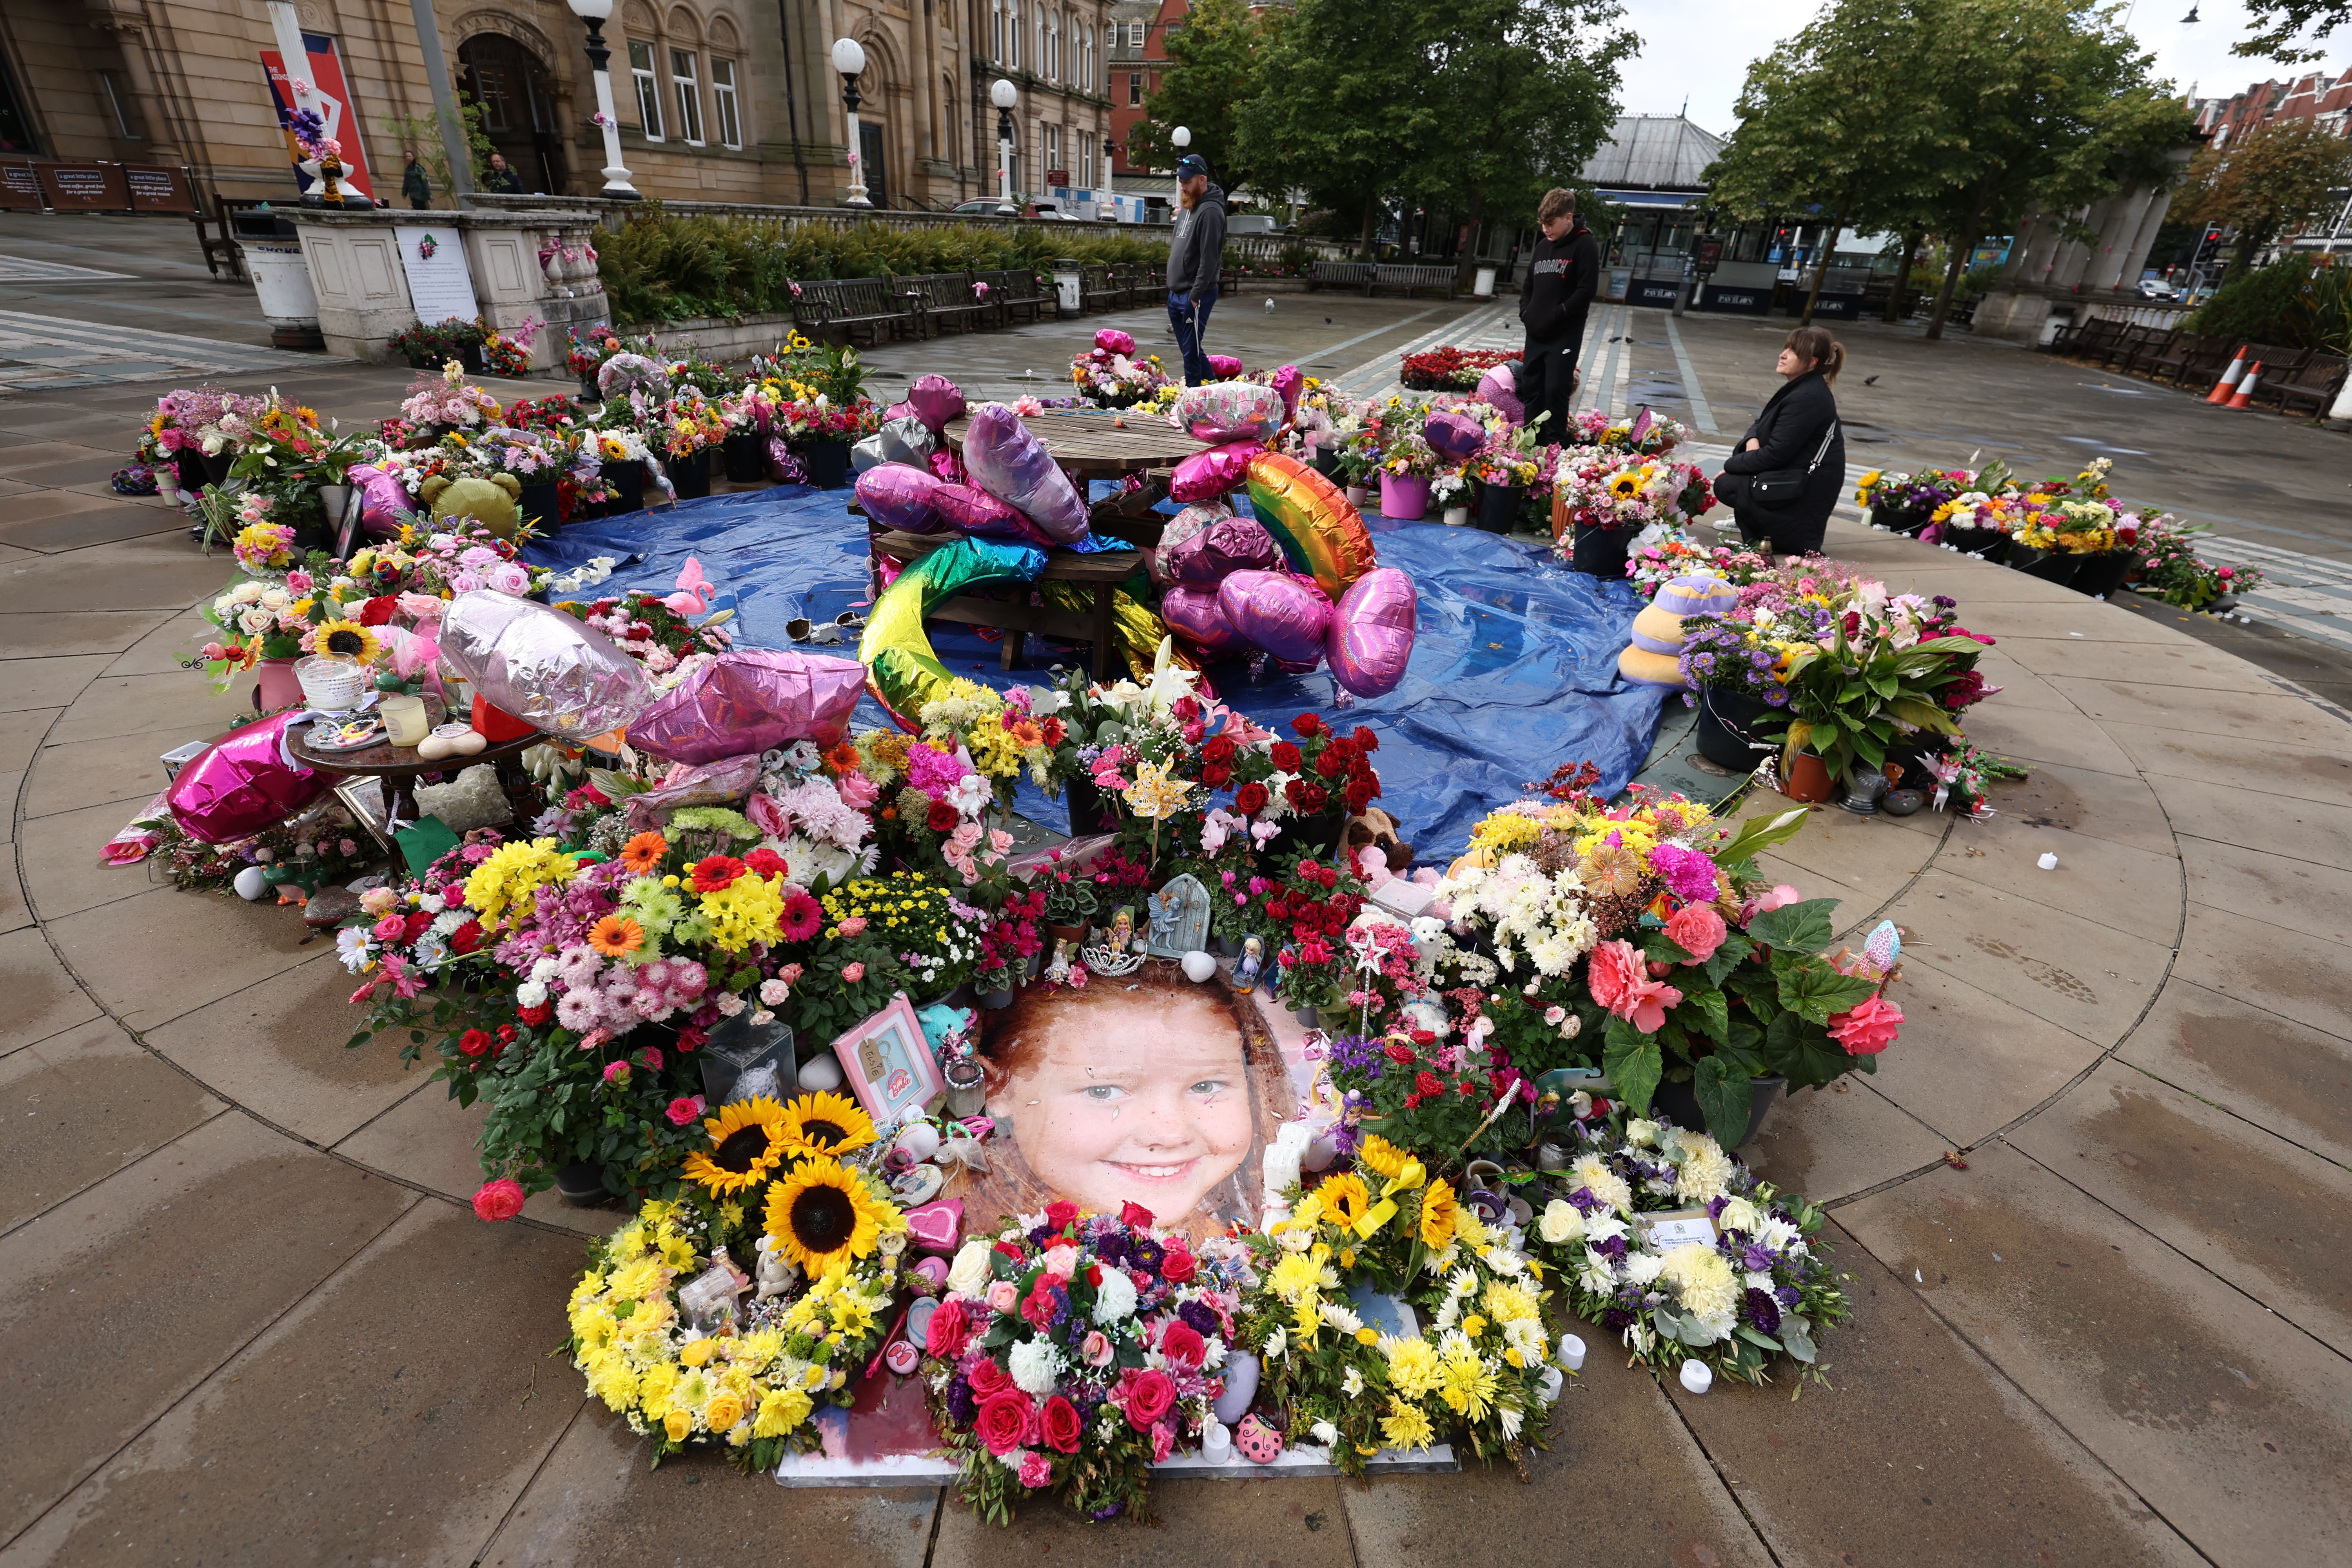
point(440, 285)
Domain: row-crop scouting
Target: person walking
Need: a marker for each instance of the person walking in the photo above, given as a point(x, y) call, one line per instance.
point(413, 183)
point(503, 180)
point(1784, 479)
point(1563, 274)
point(1196, 254)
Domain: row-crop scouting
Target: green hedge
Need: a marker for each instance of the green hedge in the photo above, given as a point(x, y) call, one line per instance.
point(2297, 301)
point(666, 266)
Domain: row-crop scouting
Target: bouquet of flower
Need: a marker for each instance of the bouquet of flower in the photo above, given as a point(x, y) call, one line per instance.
point(1450, 368)
point(452, 558)
point(1314, 905)
point(1074, 1352)
point(448, 402)
point(1112, 375)
point(326, 848)
point(689, 423)
point(1614, 488)
point(1762, 1287)
point(1673, 552)
point(1922, 491)
point(1648, 433)
point(830, 371)
point(2170, 569)
point(1890, 667)
point(508, 351)
point(2070, 527)
point(644, 626)
point(585, 356)
point(180, 420)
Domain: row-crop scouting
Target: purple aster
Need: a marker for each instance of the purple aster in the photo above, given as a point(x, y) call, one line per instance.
point(961, 1407)
point(1616, 1320)
point(1148, 1254)
point(1787, 1295)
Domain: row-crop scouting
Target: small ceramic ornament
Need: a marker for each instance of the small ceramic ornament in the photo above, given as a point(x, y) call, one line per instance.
point(251, 883)
point(1259, 1443)
point(821, 1072)
point(918, 1185)
point(1241, 1386)
point(936, 1228)
point(1199, 967)
point(919, 1141)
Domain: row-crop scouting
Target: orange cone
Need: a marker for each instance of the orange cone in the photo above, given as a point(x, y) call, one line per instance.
point(2246, 388)
point(2221, 392)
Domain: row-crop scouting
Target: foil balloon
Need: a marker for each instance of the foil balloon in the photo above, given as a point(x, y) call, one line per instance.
point(901, 672)
point(936, 401)
point(904, 439)
point(1009, 462)
point(1227, 545)
point(1499, 388)
point(1289, 381)
point(1194, 614)
point(1215, 472)
point(1181, 527)
point(904, 497)
point(1371, 639)
point(383, 505)
point(1453, 436)
point(1225, 367)
point(751, 699)
point(978, 513)
point(1312, 523)
point(542, 666)
point(1111, 340)
point(242, 784)
point(899, 410)
point(1278, 612)
point(1222, 411)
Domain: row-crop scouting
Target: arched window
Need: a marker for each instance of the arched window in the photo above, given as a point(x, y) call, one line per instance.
point(1053, 45)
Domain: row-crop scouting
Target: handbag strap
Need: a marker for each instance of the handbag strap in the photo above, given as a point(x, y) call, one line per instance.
point(1827, 437)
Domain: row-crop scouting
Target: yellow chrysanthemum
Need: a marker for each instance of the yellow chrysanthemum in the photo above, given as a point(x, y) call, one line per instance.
point(1412, 1366)
point(748, 909)
point(512, 874)
point(822, 1213)
point(780, 1410)
point(1469, 1386)
point(1406, 1427)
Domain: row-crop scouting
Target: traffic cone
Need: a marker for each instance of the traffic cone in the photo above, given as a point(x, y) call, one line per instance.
point(2222, 388)
point(2246, 386)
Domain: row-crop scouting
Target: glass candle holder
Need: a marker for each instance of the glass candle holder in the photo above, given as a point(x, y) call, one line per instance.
point(405, 721)
point(330, 684)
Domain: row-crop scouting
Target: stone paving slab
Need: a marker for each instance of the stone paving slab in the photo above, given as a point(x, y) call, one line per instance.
point(1981, 1059)
point(2138, 892)
point(2277, 889)
point(81, 1106)
point(148, 964)
point(429, 1141)
point(2278, 1075)
point(2280, 970)
point(49, 683)
point(2258, 767)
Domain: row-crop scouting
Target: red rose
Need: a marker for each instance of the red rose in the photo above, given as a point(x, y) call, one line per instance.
point(1003, 1421)
point(1285, 757)
point(473, 1042)
point(1219, 749)
point(1363, 740)
point(1332, 762)
point(764, 863)
point(1060, 1214)
point(990, 1379)
point(1176, 1267)
point(1360, 795)
point(1308, 725)
point(941, 817)
point(501, 1199)
point(379, 610)
point(1061, 1425)
point(535, 1016)
point(951, 1331)
point(1250, 799)
point(1294, 792)
point(714, 872)
point(1315, 795)
point(1148, 1397)
point(1427, 1083)
point(506, 1034)
point(1216, 775)
point(1134, 1213)
point(1182, 1343)
point(1400, 1053)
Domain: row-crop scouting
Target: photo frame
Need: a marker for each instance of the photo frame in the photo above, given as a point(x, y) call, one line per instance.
point(888, 1063)
point(347, 527)
point(363, 796)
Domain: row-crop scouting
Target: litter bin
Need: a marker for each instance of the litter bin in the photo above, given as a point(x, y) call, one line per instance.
point(1483, 287)
point(281, 275)
point(1069, 296)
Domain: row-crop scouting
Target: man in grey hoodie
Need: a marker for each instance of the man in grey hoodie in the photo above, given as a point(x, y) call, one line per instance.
point(1196, 251)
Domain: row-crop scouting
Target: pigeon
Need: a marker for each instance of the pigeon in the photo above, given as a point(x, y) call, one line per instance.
point(1866, 381)
point(1327, 321)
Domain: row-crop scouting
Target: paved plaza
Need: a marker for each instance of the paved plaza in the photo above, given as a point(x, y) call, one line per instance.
point(2093, 1204)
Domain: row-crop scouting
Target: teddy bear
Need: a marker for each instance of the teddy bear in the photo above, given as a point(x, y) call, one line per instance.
point(490, 501)
point(1374, 826)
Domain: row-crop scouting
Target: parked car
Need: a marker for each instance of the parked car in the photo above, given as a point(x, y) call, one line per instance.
point(987, 206)
point(2157, 289)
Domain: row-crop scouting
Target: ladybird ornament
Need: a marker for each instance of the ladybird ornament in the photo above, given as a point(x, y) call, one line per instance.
point(1259, 1443)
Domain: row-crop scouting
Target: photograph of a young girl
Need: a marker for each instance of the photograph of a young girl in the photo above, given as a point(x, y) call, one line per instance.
point(1147, 1088)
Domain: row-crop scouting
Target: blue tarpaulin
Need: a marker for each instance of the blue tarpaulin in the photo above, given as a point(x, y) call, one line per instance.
point(1514, 671)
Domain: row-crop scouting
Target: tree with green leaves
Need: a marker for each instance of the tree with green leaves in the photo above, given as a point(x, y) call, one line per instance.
point(1335, 116)
point(2291, 30)
point(1215, 67)
point(2271, 181)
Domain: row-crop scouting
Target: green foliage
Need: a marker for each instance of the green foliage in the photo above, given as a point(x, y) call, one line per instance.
point(2272, 181)
point(2272, 305)
point(1216, 57)
point(661, 266)
point(2290, 30)
point(423, 131)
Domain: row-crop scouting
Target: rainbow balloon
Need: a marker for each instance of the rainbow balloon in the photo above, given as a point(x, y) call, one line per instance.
point(901, 672)
point(1319, 532)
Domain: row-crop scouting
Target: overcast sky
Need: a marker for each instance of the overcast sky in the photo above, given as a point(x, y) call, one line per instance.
point(1702, 48)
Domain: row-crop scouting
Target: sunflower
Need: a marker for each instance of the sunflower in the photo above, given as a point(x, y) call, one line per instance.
point(1380, 1157)
point(616, 936)
point(1344, 1198)
point(1437, 1207)
point(644, 852)
point(826, 1123)
point(747, 1142)
point(820, 1213)
point(349, 638)
point(1625, 486)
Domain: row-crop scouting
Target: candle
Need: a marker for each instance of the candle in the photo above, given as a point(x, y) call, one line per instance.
point(2049, 862)
point(1571, 1352)
point(1553, 1380)
point(1697, 1376)
point(404, 719)
point(1217, 1443)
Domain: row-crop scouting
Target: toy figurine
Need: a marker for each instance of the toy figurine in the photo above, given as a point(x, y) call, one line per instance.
point(1250, 965)
point(1059, 971)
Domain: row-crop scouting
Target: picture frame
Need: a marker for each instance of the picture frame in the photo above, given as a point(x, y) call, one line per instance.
point(347, 526)
point(888, 1063)
point(363, 796)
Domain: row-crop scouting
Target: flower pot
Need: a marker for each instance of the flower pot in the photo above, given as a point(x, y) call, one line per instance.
point(2050, 565)
point(994, 1000)
point(1091, 811)
point(1903, 522)
point(744, 457)
point(278, 686)
point(540, 506)
point(1328, 465)
point(1317, 834)
point(690, 475)
point(1600, 551)
point(582, 1185)
point(1456, 516)
point(1499, 508)
point(1307, 1015)
point(1732, 728)
point(1809, 779)
point(216, 464)
point(1231, 946)
point(1404, 497)
point(627, 479)
point(588, 390)
point(1358, 496)
point(470, 357)
point(827, 463)
point(959, 998)
point(191, 465)
point(1678, 1100)
point(1984, 543)
point(1334, 1021)
point(422, 361)
point(2100, 575)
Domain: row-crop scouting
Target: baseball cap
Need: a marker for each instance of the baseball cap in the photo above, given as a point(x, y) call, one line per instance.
point(1190, 165)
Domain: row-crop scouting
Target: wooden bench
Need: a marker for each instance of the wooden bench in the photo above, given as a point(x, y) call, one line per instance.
point(1100, 290)
point(1015, 288)
point(1341, 274)
point(2201, 366)
point(2175, 357)
point(1409, 279)
point(1087, 584)
point(879, 306)
point(220, 249)
point(946, 302)
point(2315, 382)
point(2141, 345)
point(2087, 340)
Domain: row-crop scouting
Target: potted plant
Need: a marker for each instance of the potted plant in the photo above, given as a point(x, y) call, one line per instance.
point(1885, 671)
point(690, 426)
point(1743, 699)
point(1069, 909)
point(1610, 493)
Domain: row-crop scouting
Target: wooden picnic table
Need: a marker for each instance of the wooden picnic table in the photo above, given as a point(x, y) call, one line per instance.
point(1108, 444)
point(1096, 578)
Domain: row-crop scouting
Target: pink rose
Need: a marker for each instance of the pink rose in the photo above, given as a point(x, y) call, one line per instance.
point(617, 1072)
point(1062, 1259)
point(853, 973)
point(1097, 1351)
point(1620, 982)
point(854, 926)
point(1035, 1470)
point(1150, 1394)
point(1182, 1344)
point(508, 578)
point(1003, 1421)
point(1868, 1029)
point(501, 1199)
point(951, 1331)
point(857, 790)
point(767, 815)
point(392, 927)
point(988, 1379)
point(1004, 1295)
point(684, 1108)
point(1697, 931)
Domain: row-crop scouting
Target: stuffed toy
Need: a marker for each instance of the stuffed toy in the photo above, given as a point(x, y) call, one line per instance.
point(489, 501)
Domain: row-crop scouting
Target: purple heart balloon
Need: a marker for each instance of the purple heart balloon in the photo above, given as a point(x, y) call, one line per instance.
point(1371, 638)
point(897, 496)
point(1226, 546)
point(936, 401)
point(1009, 462)
point(1453, 436)
point(751, 701)
point(1277, 611)
point(977, 512)
point(240, 784)
point(1194, 614)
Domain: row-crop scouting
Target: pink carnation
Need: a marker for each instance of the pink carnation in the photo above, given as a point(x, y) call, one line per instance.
point(1868, 1029)
point(1036, 1470)
point(1620, 982)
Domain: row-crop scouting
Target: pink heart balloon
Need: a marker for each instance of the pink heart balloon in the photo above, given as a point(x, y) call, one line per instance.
point(898, 496)
point(240, 784)
point(1194, 614)
point(1278, 612)
point(936, 400)
point(1372, 632)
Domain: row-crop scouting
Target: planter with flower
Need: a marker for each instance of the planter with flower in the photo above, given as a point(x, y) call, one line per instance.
point(1908, 503)
point(646, 627)
point(1649, 434)
point(2086, 545)
point(429, 347)
point(1675, 553)
point(690, 425)
point(1407, 461)
point(1450, 369)
point(1892, 677)
point(1753, 1284)
point(1508, 471)
point(2170, 569)
point(1071, 1352)
point(185, 435)
point(1606, 495)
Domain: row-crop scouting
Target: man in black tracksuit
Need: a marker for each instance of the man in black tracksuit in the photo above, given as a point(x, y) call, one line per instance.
point(1196, 251)
point(1563, 274)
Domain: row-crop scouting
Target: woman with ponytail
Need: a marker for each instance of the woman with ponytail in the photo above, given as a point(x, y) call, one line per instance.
point(1784, 479)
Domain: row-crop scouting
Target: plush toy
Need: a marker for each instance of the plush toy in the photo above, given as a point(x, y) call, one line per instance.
point(1655, 658)
point(1375, 827)
point(490, 502)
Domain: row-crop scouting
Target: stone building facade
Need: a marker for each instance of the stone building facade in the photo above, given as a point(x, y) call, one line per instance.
point(717, 100)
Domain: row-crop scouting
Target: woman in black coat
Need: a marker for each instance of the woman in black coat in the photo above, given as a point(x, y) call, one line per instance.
point(1788, 437)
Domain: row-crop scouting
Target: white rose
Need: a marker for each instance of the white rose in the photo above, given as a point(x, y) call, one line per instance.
point(968, 1275)
point(1640, 1134)
point(1738, 1214)
point(1561, 1223)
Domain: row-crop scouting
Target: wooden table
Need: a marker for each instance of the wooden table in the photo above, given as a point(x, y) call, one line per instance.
point(1095, 577)
point(397, 768)
point(1106, 444)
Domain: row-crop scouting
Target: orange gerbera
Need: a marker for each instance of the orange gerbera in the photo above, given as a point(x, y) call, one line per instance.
point(616, 936)
point(1025, 731)
point(644, 852)
point(843, 759)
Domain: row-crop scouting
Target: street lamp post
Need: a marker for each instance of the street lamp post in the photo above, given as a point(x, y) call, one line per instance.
point(617, 175)
point(1109, 185)
point(1005, 95)
point(849, 59)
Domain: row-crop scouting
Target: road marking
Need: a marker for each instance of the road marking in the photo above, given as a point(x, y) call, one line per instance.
point(1701, 415)
point(51, 352)
point(1464, 331)
point(1340, 348)
point(24, 269)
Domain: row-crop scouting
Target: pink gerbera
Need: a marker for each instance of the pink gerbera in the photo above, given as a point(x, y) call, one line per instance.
point(802, 918)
